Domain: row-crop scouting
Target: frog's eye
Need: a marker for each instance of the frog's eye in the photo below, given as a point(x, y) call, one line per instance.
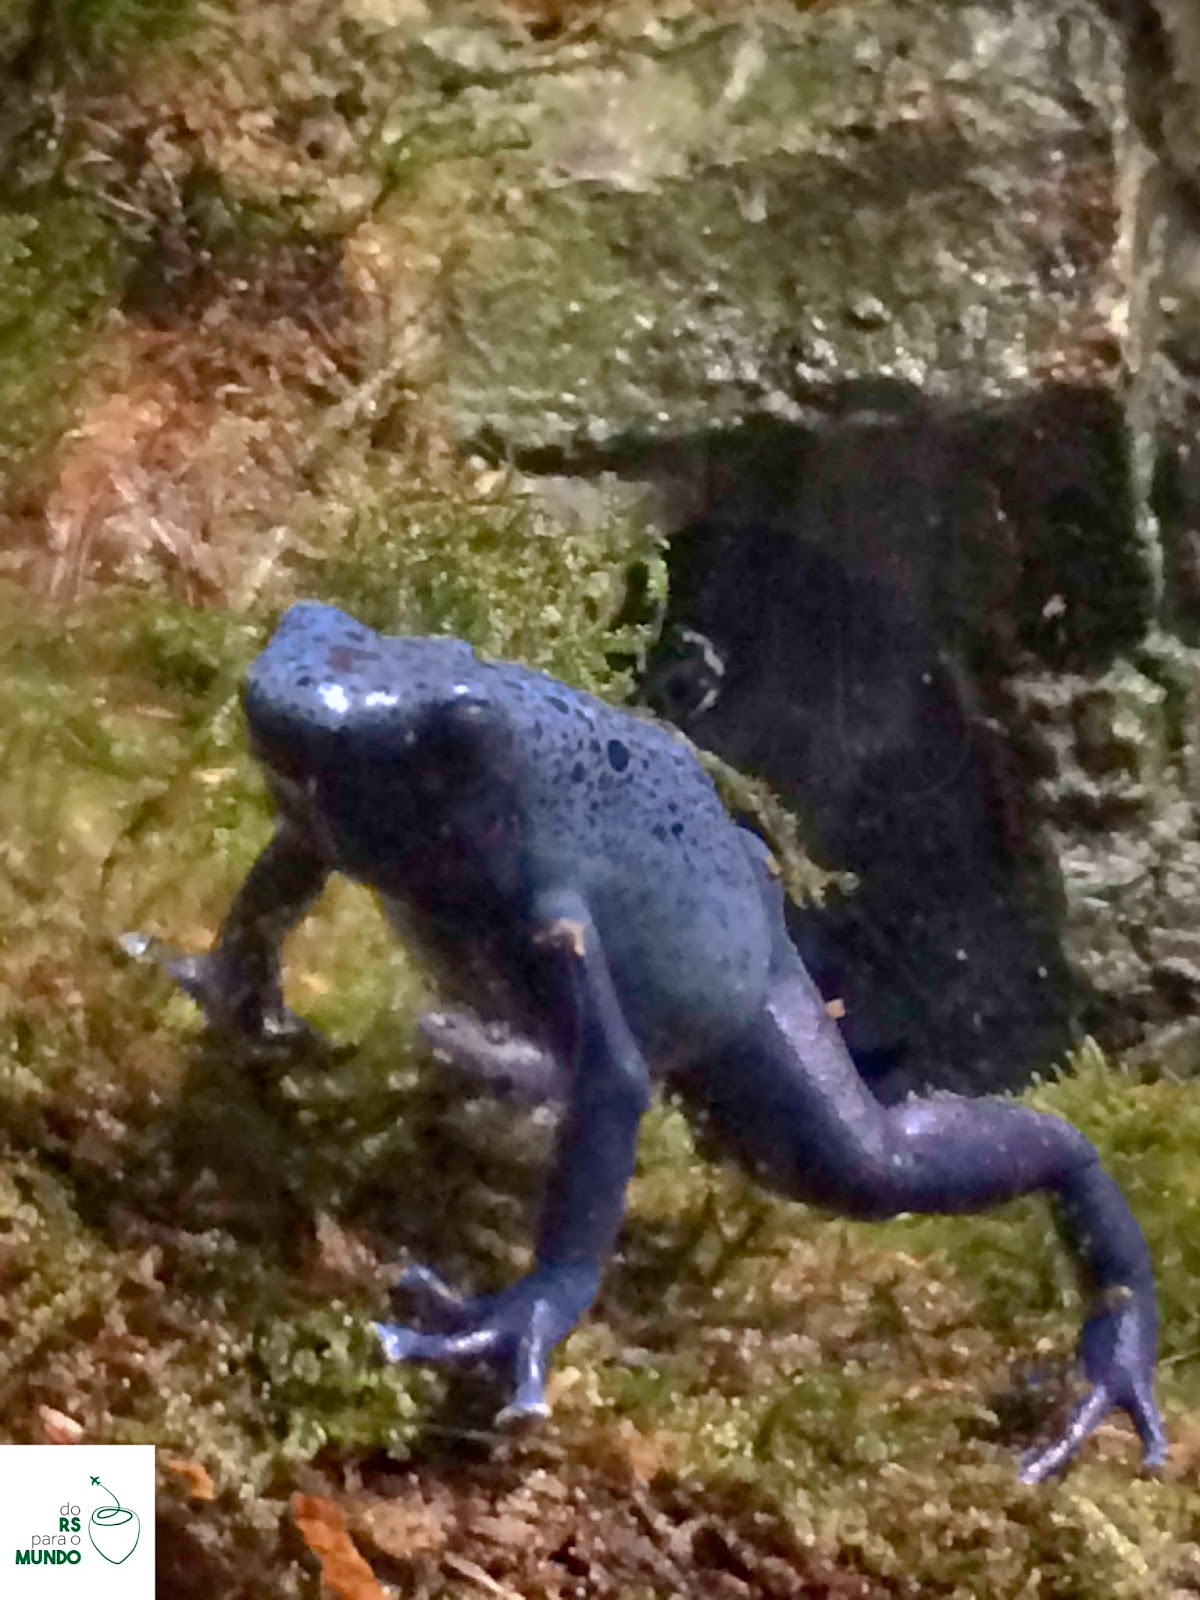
point(462, 739)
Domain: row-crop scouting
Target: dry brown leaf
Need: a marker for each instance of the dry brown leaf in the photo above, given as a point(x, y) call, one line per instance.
point(342, 1259)
point(58, 1427)
point(505, 1530)
point(344, 1573)
point(1183, 1459)
point(397, 1528)
point(195, 1475)
point(483, 1580)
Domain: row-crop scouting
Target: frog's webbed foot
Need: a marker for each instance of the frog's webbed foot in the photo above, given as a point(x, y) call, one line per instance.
point(1117, 1347)
point(516, 1328)
point(230, 1004)
point(495, 1056)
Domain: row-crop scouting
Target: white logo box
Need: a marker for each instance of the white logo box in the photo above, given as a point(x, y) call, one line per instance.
point(77, 1520)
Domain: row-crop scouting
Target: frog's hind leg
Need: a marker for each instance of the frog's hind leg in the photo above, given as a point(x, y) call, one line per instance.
point(788, 1103)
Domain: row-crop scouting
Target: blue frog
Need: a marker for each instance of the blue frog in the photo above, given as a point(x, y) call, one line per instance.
point(571, 868)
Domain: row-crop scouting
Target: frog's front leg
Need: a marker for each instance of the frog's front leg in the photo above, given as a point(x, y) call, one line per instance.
point(238, 984)
point(494, 1056)
point(609, 1089)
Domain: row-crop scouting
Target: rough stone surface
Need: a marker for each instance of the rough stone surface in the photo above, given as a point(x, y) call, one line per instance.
point(900, 307)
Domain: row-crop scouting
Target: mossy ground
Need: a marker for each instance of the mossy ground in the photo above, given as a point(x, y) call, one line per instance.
point(193, 1243)
point(221, 348)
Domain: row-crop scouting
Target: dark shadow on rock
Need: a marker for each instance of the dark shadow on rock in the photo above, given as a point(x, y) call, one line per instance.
point(851, 596)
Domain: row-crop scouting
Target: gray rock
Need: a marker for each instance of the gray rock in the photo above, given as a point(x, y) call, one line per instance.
point(899, 306)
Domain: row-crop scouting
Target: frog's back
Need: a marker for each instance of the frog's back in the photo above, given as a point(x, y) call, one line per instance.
point(621, 808)
point(611, 805)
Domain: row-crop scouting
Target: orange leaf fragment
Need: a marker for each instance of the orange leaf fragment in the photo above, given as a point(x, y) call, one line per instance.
point(344, 1573)
point(195, 1474)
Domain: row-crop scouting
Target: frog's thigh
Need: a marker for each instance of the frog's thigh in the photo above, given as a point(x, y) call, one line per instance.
point(788, 1102)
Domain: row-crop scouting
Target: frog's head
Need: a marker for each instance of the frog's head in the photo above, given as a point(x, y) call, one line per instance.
point(386, 738)
point(327, 689)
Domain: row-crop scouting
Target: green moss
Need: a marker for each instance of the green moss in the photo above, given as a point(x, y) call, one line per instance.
point(164, 1201)
point(320, 1383)
point(15, 20)
point(501, 573)
point(198, 657)
point(71, 36)
point(60, 267)
point(753, 801)
point(860, 1377)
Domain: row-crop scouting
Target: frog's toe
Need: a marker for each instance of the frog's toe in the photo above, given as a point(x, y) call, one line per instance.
point(277, 1026)
point(1147, 1419)
point(228, 1003)
point(396, 1340)
point(139, 946)
point(523, 1412)
point(197, 975)
point(515, 1328)
point(402, 1343)
point(432, 1297)
point(190, 972)
point(201, 977)
point(1087, 1416)
point(1038, 1465)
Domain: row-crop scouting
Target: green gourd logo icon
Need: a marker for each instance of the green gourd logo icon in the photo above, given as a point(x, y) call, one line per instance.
point(114, 1530)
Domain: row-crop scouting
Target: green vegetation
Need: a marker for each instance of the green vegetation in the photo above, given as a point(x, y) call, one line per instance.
point(58, 269)
point(499, 571)
point(70, 36)
point(193, 1243)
